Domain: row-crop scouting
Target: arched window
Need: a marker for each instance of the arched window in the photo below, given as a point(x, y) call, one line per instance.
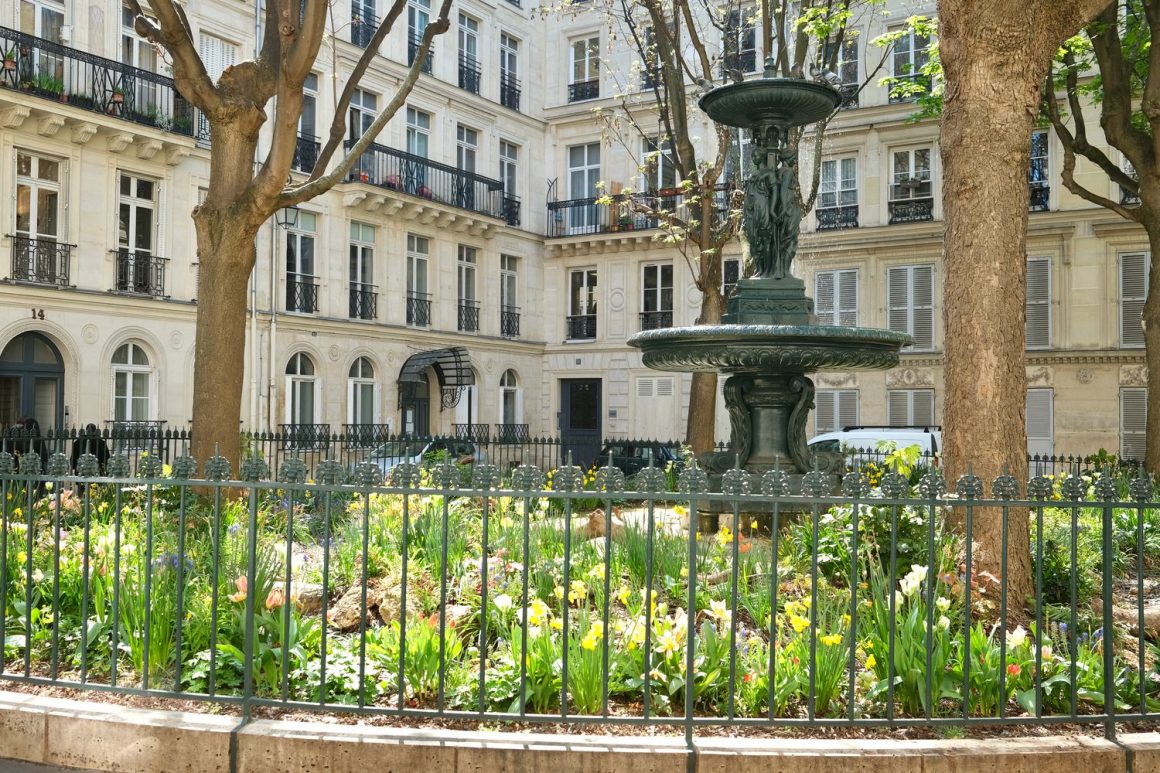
point(362, 393)
point(302, 390)
point(133, 381)
point(511, 400)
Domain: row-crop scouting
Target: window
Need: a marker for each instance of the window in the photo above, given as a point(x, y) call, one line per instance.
point(306, 151)
point(363, 298)
point(418, 17)
point(132, 384)
point(1133, 422)
point(836, 297)
point(468, 302)
point(740, 42)
point(838, 194)
point(910, 407)
point(418, 299)
point(509, 296)
point(362, 393)
point(511, 399)
point(468, 53)
point(585, 81)
point(138, 270)
point(302, 391)
point(835, 409)
point(583, 175)
point(418, 132)
point(37, 252)
point(363, 107)
point(656, 304)
point(656, 163)
point(845, 66)
point(42, 18)
point(1128, 196)
point(1038, 315)
point(363, 22)
point(911, 53)
point(216, 55)
point(910, 303)
point(509, 156)
point(650, 71)
point(138, 52)
point(301, 289)
point(582, 303)
point(466, 147)
point(910, 186)
point(730, 273)
point(1133, 291)
point(1039, 415)
point(1038, 174)
point(509, 71)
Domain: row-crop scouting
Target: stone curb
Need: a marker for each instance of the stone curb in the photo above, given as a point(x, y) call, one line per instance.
point(108, 737)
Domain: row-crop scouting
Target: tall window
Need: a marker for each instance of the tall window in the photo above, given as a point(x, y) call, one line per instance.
point(836, 297)
point(363, 298)
point(740, 42)
point(1038, 316)
point(138, 52)
point(910, 303)
point(132, 384)
point(910, 407)
point(466, 148)
point(910, 186)
point(468, 53)
point(418, 299)
point(585, 80)
point(468, 301)
point(38, 255)
point(1039, 416)
point(845, 66)
point(509, 71)
point(509, 155)
point(302, 390)
point(509, 296)
point(42, 18)
point(838, 194)
point(1133, 422)
point(511, 408)
point(363, 108)
point(656, 163)
point(306, 151)
point(363, 22)
point(835, 409)
point(582, 303)
point(362, 393)
point(583, 174)
point(1133, 291)
point(301, 289)
point(418, 132)
point(911, 53)
point(656, 304)
point(1038, 174)
point(730, 273)
point(418, 17)
point(137, 269)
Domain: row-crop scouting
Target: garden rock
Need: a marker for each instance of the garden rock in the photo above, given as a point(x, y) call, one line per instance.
point(307, 596)
point(382, 605)
point(1130, 617)
point(597, 526)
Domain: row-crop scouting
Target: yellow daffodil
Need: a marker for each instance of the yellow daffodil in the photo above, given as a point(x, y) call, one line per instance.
point(832, 640)
point(871, 662)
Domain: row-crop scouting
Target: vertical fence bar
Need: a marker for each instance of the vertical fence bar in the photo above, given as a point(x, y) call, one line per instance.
point(444, 552)
point(181, 511)
point(811, 698)
point(690, 626)
point(525, 601)
point(1004, 513)
point(405, 550)
point(327, 548)
point(5, 525)
point(1073, 600)
point(1039, 612)
point(968, 569)
point(1108, 641)
point(566, 633)
point(55, 663)
point(734, 592)
point(86, 540)
point(892, 586)
point(248, 641)
point(854, 577)
point(773, 589)
point(288, 603)
point(484, 597)
point(116, 611)
point(215, 592)
point(1140, 632)
point(364, 534)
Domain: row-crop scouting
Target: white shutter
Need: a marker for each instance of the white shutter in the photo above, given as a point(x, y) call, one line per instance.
point(824, 400)
point(910, 407)
point(847, 298)
point(922, 414)
point(1040, 422)
point(1133, 420)
point(1038, 325)
point(664, 386)
point(1133, 291)
point(644, 387)
point(922, 295)
point(897, 408)
point(898, 299)
point(824, 297)
point(835, 409)
point(847, 408)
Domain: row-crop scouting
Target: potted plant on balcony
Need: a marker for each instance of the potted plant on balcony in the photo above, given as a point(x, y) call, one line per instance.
point(393, 182)
point(118, 95)
point(625, 223)
point(10, 60)
point(425, 192)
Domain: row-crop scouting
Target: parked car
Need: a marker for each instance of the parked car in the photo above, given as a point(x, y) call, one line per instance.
point(860, 444)
point(630, 457)
point(394, 452)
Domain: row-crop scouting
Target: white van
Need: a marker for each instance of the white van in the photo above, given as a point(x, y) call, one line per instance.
point(863, 441)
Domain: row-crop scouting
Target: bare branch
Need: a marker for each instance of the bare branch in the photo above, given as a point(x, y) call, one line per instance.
point(304, 48)
point(176, 37)
point(1116, 117)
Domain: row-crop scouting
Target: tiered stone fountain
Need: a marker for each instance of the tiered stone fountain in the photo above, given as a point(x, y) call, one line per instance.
point(768, 342)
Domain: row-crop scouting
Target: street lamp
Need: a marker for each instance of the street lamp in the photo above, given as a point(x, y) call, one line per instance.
point(287, 217)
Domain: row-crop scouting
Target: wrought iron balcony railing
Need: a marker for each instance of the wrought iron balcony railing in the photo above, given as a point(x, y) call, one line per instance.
point(306, 152)
point(849, 95)
point(53, 71)
point(581, 327)
point(835, 218)
point(304, 435)
point(509, 90)
point(479, 433)
point(516, 3)
point(586, 216)
point(140, 272)
point(469, 73)
point(363, 24)
point(301, 293)
point(911, 210)
point(582, 90)
point(419, 309)
point(364, 301)
point(512, 433)
point(656, 320)
point(468, 315)
point(1039, 197)
point(44, 261)
point(1129, 198)
point(511, 209)
point(425, 179)
point(509, 322)
point(366, 435)
point(414, 42)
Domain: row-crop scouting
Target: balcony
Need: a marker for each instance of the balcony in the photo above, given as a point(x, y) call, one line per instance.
point(656, 320)
point(849, 93)
point(43, 261)
point(911, 210)
point(301, 293)
point(1128, 198)
point(425, 179)
point(366, 435)
point(512, 433)
point(468, 73)
point(363, 25)
point(581, 327)
point(477, 433)
point(419, 309)
point(53, 71)
point(837, 218)
point(511, 209)
point(140, 273)
point(468, 316)
point(509, 322)
point(306, 151)
point(304, 435)
point(509, 90)
point(1038, 196)
point(576, 217)
point(414, 42)
point(582, 90)
point(364, 301)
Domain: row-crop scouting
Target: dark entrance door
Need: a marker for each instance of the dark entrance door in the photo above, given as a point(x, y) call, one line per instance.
point(416, 406)
point(580, 419)
point(31, 382)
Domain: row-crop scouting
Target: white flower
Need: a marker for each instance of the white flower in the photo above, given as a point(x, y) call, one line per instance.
point(911, 583)
point(943, 603)
point(503, 602)
point(1016, 638)
point(944, 623)
point(1046, 652)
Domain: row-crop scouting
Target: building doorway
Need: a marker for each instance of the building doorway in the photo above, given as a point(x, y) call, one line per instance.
point(32, 382)
point(580, 425)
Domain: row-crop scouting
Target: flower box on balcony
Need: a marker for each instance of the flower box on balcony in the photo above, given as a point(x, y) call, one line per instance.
point(9, 64)
point(393, 182)
point(425, 192)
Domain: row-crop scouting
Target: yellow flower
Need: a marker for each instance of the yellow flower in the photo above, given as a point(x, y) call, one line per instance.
point(559, 591)
point(597, 572)
point(719, 610)
point(799, 623)
point(832, 639)
point(556, 624)
point(623, 595)
point(537, 612)
point(871, 662)
point(578, 592)
point(724, 537)
point(667, 642)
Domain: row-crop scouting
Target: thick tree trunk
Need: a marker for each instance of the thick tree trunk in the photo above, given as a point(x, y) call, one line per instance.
point(701, 429)
point(1151, 319)
point(993, 78)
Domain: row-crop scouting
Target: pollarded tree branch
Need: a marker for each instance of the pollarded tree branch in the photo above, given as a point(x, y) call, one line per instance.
point(1076, 140)
point(303, 50)
point(174, 35)
point(1116, 109)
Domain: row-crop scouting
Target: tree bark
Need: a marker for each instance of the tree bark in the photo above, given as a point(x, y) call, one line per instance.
point(1151, 320)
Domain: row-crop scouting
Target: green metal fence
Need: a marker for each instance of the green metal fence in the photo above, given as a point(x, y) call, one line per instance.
point(582, 596)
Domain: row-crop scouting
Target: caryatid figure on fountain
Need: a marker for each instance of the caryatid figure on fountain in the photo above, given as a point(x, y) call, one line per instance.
point(772, 214)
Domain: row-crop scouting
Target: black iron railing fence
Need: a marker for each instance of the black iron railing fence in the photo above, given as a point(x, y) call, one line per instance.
point(469, 73)
point(509, 90)
point(306, 150)
point(364, 301)
point(449, 591)
point(301, 293)
point(509, 322)
point(618, 213)
point(419, 309)
point(141, 273)
point(44, 261)
point(468, 321)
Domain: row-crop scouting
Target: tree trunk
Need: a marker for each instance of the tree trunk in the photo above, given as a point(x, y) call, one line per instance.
point(701, 429)
point(1151, 319)
point(993, 79)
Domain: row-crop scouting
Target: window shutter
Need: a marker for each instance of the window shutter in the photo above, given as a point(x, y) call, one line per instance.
point(923, 414)
point(824, 297)
point(1133, 418)
point(1040, 422)
point(897, 297)
point(644, 387)
point(824, 411)
point(1133, 290)
point(923, 300)
point(664, 386)
point(847, 408)
point(1038, 326)
point(847, 298)
point(897, 407)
